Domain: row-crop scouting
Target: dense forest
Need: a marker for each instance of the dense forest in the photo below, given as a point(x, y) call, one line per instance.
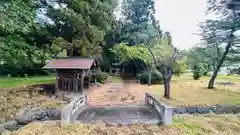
point(33, 31)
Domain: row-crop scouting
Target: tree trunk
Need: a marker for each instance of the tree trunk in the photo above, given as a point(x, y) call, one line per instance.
point(43, 58)
point(167, 88)
point(214, 76)
point(150, 75)
point(167, 80)
point(70, 50)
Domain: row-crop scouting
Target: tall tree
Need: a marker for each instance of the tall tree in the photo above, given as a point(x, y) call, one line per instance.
point(164, 56)
point(206, 56)
point(82, 24)
point(16, 22)
point(139, 25)
point(220, 31)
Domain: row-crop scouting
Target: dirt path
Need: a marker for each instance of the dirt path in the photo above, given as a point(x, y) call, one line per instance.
point(117, 93)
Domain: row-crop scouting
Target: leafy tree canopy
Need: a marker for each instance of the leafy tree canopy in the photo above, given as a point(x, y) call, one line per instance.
point(125, 53)
point(83, 24)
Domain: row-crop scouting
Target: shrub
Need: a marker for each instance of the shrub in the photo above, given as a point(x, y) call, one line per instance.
point(205, 73)
point(101, 77)
point(105, 65)
point(235, 71)
point(179, 68)
point(197, 72)
point(196, 75)
point(156, 77)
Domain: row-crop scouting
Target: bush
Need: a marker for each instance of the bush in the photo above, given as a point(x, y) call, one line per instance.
point(101, 77)
point(205, 73)
point(235, 71)
point(196, 75)
point(156, 77)
point(179, 68)
point(197, 72)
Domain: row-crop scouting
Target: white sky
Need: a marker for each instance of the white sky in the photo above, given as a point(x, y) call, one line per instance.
point(180, 18)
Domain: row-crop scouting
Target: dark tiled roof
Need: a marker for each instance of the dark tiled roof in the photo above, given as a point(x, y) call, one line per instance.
point(70, 63)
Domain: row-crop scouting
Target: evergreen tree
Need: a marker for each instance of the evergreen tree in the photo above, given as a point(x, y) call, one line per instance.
point(81, 23)
point(17, 54)
point(139, 25)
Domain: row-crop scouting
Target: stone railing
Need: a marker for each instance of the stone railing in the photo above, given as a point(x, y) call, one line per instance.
point(164, 111)
point(70, 111)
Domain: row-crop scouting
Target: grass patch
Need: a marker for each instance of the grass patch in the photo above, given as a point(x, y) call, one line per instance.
point(183, 125)
point(11, 100)
point(186, 91)
point(15, 95)
point(13, 82)
point(235, 79)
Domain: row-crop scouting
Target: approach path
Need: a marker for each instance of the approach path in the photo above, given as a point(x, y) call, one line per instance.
point(118, 103)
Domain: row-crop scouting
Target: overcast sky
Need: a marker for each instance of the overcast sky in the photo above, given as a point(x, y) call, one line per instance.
point(180, 18)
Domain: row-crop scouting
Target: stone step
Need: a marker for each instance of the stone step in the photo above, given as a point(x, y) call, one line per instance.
point(122, 122)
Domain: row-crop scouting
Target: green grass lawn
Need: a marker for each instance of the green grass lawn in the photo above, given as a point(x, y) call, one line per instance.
point(13, 82)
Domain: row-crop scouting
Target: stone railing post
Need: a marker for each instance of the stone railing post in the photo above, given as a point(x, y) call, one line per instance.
point(167, 115)
point(85, 99)
point(146, 99)
point(164, 111)
point(70, 111)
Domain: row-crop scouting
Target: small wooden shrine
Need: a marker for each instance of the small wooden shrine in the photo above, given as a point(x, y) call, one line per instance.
point(72, 73)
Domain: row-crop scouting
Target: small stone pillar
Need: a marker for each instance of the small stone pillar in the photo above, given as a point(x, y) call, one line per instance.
point(167, 115)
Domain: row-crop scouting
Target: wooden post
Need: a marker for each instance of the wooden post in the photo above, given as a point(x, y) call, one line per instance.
point(56, 83)
point(76, 83)
point(90, 78)
point(69, 85)
point(82, 81)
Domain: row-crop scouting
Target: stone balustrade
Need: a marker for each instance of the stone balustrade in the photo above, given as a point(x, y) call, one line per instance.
point(164, 110)
point(69, 112)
